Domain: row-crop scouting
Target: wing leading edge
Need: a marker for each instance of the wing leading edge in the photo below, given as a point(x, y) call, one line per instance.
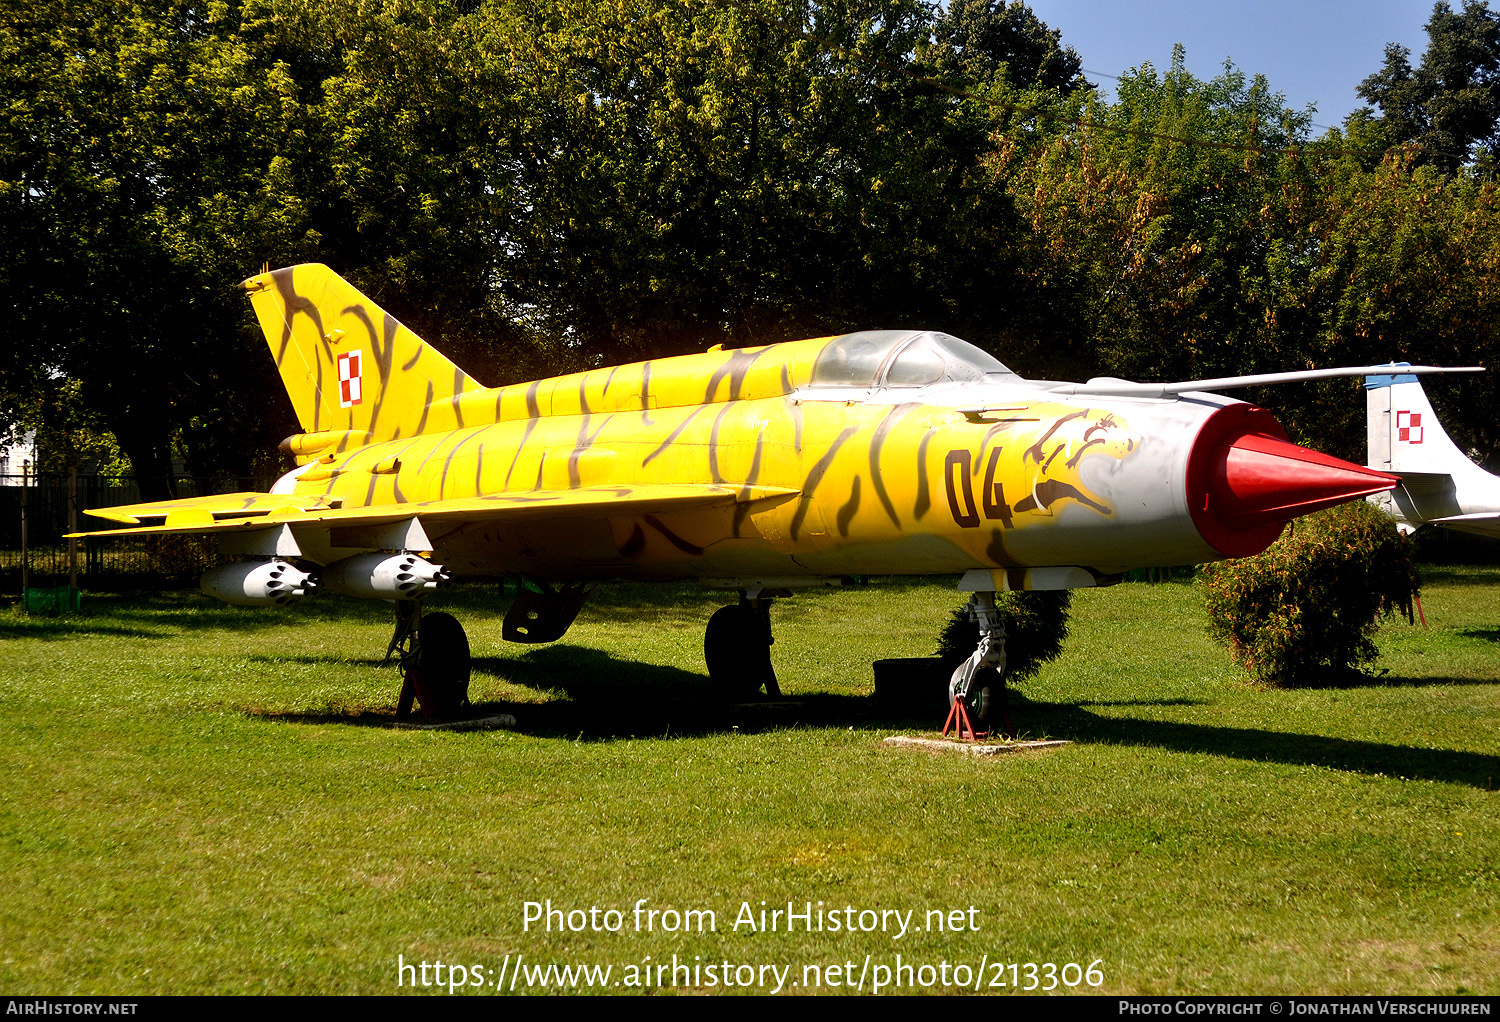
point(241, 512)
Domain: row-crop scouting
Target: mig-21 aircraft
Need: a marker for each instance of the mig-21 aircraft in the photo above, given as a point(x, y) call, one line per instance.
point(755, 470)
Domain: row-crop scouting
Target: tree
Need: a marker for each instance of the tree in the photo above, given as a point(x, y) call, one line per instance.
point(990, 39)
point(1451, 102)
point(535, 187)
point(155, 155)
point(746, 172)
point(427, 121)
point(1169, 235)
point(1406, 267)
point(143, 168)
point(1193, 229)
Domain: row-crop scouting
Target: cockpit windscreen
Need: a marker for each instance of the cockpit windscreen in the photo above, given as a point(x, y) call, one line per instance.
point(902, 358)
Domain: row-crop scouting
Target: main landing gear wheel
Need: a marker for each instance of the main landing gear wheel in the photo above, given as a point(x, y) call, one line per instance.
point(436, 668)
point(737, 649)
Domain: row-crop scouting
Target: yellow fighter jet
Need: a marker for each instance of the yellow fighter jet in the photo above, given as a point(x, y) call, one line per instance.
point(757, 470)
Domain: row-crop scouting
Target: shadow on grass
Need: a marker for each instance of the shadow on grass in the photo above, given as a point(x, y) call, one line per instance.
point(622, 718)
point(53, 629)
point(316, 660)
point(597, 697)
point(1355, 680)
point(165, 611)
point(592, 675)
point(1020, 701)
point(632, 713)
point(171, 611)
point(1376, 759)
point(1458, 575)
point(160, 614)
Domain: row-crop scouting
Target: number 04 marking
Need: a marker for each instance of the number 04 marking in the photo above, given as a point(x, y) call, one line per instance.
point(958, 470)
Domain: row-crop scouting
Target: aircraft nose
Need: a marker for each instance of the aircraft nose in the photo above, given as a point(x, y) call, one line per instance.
point(1245, 483)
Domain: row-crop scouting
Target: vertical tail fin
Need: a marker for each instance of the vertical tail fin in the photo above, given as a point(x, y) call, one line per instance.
point(1439, 483)
point(347, 364)
point(1402, 431)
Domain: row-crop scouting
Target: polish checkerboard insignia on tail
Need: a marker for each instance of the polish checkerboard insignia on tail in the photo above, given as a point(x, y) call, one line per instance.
point(349, 379)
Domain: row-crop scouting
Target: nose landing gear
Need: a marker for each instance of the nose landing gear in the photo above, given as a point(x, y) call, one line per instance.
point(976, 692)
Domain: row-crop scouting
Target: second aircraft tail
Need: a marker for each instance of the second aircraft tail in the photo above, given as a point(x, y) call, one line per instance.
point(1403, 432)
point(1439, 483)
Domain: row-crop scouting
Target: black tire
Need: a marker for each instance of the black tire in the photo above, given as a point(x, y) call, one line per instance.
point(443, 651)
point(981, 702)
point(737, 649)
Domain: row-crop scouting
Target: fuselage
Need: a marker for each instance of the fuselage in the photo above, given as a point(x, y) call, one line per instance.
point(866, 461)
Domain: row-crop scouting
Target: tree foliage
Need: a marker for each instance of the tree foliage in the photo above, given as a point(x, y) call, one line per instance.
point(542, 186)
point(1170, 260)
point(746, 172)
point(1306, 611)
point(140, 175)
point(1254, 248)
point(1450, 102)
point(995, 39)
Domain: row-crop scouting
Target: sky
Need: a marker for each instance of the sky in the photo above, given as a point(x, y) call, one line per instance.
point(1313, 51)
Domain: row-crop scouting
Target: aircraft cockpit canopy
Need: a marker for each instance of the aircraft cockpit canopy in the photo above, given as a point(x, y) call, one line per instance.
point(902, 358)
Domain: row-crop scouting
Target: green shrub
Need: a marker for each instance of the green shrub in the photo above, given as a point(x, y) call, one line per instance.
point(1036, 623)
point(1307, 609)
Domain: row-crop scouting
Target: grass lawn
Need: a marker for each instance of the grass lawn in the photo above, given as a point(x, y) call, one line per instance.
point(208, 799)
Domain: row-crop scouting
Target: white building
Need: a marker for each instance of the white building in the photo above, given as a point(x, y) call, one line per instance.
point(15, 455)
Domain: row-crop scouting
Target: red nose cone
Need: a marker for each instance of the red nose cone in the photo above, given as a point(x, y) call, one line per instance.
point(1245, 482)
point(1263, 480)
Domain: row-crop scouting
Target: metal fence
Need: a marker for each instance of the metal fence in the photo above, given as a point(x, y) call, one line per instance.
point(43, 505)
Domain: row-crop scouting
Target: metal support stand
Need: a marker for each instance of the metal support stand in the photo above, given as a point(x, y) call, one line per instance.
point(408, 620)
point(759, 603)
point(958, 719)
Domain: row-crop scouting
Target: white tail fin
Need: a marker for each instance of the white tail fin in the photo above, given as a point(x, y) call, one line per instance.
point(1440, 484)
point(1403, 432)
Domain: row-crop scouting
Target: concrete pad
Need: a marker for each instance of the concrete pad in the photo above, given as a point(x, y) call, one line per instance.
point(969, 748)
point(499, 720)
